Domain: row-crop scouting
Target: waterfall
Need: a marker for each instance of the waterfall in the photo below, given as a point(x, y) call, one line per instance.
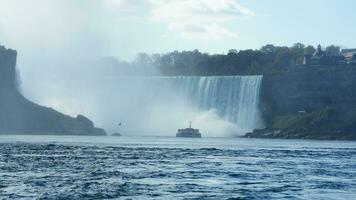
point(234, 98)
point(218, 105)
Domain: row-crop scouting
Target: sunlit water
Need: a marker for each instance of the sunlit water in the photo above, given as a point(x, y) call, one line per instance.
point(53, 167)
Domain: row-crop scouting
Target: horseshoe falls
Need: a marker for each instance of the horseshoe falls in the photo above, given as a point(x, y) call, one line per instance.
point(218, 105)
point(234, 98)
point(221, 100)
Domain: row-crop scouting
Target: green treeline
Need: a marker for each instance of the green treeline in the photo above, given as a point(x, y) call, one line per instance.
point(268, 59)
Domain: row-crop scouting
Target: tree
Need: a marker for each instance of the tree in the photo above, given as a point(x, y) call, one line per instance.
point(143, 59)
point(332, 50)
point(232, 52)
point(309, 50)
point(297, 53)
point(269, 48)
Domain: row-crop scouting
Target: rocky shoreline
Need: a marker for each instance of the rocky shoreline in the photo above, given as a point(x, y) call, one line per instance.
point(293, 134)
point(329, 123)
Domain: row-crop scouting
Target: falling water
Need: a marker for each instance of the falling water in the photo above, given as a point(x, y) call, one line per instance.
point(218, 105)
point(234, 98)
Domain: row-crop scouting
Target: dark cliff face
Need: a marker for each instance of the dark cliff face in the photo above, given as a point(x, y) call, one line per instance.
point(20, 116)
point(308, 90)
point(7, 69)
point(317, 103)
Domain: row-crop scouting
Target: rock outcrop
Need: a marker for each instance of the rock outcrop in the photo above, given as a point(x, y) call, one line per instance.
point(21, 116)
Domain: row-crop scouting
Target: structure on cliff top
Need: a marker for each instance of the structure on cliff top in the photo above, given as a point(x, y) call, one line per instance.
point(321, 58)
point(349, 55)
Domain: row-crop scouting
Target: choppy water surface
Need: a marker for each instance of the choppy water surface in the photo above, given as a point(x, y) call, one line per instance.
point(49, 167)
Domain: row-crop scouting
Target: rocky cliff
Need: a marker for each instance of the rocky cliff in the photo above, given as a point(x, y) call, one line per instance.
point(20, 116)
point(315, 103)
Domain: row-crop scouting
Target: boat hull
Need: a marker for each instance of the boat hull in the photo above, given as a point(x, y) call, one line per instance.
point(189, 135)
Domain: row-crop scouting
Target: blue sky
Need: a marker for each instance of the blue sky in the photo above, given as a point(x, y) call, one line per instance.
point(275, 21)
point(123, 28)
point(308, 21)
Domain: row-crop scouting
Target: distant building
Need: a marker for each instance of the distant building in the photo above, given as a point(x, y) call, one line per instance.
point(318, 58)
point(321, 58)
point(349, 56)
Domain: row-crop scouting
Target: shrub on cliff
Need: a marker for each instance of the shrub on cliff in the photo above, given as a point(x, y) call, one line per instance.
point(324, 119)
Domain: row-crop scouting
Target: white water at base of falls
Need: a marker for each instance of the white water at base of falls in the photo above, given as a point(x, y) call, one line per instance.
point(234, 98)
point(219, 106)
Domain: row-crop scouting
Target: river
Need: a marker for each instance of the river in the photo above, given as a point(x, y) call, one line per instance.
point(80, 167)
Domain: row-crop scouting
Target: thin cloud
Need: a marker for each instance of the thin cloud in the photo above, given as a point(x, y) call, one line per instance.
point(205, 32)
point(199, 19)
point(190, 19)
point(124, 5)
